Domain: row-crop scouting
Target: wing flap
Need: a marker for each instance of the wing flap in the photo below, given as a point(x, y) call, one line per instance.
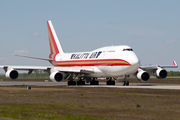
point(75, 70)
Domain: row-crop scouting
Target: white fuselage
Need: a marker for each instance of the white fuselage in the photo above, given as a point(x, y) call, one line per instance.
point(113, 61)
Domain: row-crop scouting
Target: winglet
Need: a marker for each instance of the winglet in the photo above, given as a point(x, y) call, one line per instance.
point(174, 63)
point(55, 45)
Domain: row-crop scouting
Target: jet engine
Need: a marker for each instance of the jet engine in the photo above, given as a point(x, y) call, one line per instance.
point(13, 74)
point(142, 75)
point(56, 76)
point(160, 73)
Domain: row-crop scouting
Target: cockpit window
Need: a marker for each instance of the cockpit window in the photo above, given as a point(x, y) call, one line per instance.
point(129, 49)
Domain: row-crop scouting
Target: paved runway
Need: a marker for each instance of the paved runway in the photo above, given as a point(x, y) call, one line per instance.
point(102, 84)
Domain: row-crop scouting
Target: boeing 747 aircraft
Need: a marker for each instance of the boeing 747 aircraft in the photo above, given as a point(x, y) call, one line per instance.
point(107, 62)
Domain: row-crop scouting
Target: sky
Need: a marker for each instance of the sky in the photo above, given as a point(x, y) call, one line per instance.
point(150, 27)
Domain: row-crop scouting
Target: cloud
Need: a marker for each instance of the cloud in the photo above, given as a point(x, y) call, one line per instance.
point(20, 51)
point(37, 34)
point(171, 41)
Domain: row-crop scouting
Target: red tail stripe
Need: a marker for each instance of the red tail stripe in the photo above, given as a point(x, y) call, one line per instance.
point(52, 39)
point(174, 63)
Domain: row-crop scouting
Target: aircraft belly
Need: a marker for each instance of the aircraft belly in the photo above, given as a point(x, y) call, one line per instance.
point(97, 75)
point(97, 72)
point(110, 71)
point(116, 71)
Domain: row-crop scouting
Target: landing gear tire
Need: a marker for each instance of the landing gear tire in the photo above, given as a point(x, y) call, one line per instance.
point(127, 83)
point(110, 82)
point(93, 82)
point(80, 82)
point(71, 82)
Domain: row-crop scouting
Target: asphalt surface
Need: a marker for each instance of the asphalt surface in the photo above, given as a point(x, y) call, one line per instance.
point(101, 84)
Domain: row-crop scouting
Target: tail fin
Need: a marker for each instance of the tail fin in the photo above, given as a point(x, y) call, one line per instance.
point(55, 45)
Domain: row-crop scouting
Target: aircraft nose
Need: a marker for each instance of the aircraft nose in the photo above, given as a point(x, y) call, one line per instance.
point(134, 60)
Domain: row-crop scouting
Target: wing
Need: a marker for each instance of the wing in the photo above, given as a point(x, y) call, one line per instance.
point(158, 71)
point(154, 67)
point(55, 72)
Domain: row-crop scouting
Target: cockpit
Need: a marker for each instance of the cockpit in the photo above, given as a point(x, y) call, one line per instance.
point(128, 49)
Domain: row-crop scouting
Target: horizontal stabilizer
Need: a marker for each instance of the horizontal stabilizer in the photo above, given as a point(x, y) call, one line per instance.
point(47, 59)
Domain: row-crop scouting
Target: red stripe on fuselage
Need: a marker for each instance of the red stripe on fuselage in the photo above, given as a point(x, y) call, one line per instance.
point(99, 62)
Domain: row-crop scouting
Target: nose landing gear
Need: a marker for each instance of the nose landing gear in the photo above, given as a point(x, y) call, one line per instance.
point(125, 82)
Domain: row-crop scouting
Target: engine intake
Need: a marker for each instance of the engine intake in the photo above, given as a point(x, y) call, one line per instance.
point(56, 76)
point(161, 73)
point(13, 74)
point(142, 75)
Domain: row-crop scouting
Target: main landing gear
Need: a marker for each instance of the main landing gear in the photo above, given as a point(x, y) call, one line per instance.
point(71, 82)
point(71, 78)
point(80, 82)
point(110, 82)
point(94, 82)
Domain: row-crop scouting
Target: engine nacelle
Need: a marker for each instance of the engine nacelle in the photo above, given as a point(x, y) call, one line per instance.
point(56, 76)
point(160, 73)
point(142, 75)
point(13, 74)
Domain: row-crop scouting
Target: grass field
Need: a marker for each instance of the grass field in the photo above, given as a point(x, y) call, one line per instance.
point(77, 103)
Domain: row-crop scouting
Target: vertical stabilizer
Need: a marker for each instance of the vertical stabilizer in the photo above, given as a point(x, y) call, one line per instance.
point(55, 45)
